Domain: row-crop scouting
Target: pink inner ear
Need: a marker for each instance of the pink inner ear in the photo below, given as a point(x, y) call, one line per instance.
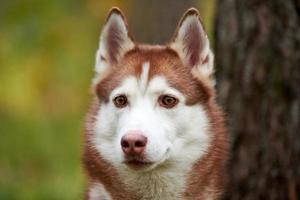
point(205, 60)
point(193, 44)
point(114, 42)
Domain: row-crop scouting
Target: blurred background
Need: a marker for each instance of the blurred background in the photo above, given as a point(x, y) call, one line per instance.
point(47, 53)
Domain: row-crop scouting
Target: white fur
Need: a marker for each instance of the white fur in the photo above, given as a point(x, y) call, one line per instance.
point(144, 76)
point(97, 192)
point(177, 137)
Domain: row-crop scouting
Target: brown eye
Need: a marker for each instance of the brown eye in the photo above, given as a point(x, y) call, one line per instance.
point(120, 101)
point(167, 101)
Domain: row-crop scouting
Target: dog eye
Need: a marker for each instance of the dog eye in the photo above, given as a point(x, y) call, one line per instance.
point(167, 101)
point(120, 101)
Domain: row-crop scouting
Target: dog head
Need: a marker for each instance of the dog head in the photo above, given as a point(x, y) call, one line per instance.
point(152, 99)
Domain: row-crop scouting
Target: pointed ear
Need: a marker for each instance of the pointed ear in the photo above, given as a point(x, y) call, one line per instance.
point(115, 40)
point(190, 41)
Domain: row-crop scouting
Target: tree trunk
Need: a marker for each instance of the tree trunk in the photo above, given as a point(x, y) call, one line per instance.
point(257, 45)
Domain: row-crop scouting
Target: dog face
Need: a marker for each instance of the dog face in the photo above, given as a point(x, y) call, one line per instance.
point(152, 99)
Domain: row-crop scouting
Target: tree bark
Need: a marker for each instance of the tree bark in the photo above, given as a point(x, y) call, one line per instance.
point(257, 45)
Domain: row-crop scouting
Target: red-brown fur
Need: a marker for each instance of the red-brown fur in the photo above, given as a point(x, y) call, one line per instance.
point(164, 61)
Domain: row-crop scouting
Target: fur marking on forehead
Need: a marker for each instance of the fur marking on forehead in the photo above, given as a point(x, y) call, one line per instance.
point(144, 76)
point(144, 63)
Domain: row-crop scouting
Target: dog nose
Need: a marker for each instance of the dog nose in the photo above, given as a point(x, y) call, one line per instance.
point(133, 143)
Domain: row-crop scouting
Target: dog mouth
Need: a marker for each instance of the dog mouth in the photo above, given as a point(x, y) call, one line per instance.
point(141, 161)
point(137, 162)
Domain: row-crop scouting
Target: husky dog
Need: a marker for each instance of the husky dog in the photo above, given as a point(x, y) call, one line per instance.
point(154, 130)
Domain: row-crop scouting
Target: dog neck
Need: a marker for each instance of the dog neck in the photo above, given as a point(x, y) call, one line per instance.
point(164, 182)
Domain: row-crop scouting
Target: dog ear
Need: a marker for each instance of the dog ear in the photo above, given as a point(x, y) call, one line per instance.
point(190, 41)
point(115, 40)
